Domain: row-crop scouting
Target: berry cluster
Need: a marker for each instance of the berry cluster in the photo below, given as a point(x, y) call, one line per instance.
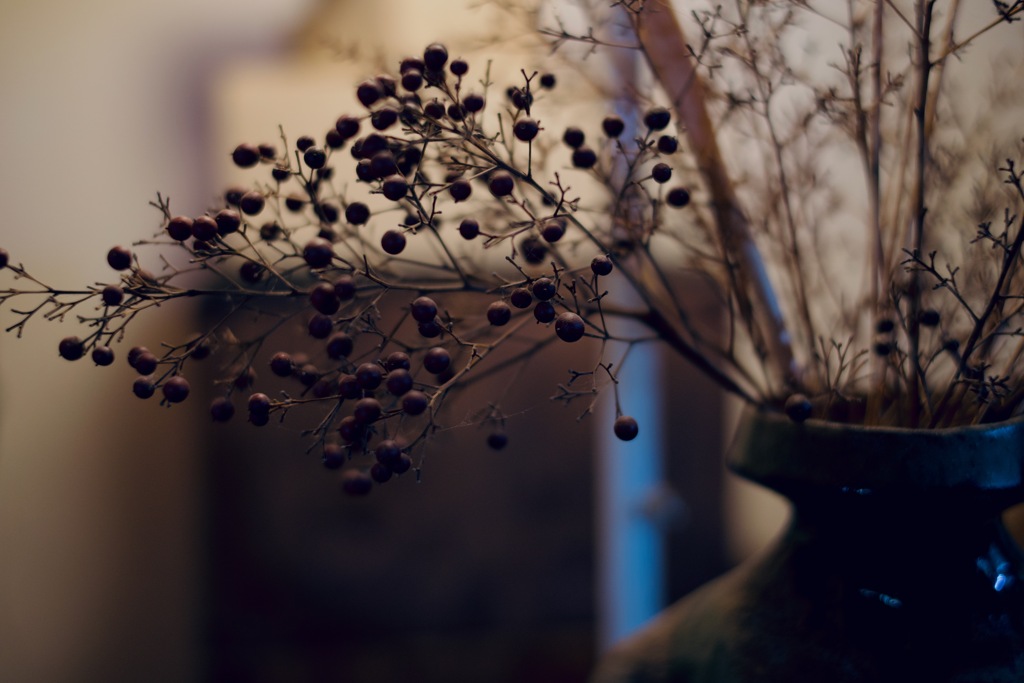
point(391, 278)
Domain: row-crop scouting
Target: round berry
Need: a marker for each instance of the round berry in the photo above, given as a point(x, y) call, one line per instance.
point(423, 309)
point(357, 213)
point(144, 387)
point(369, 376)
point(348, 387)
point(411, 64)
point(339, 346)
point(233, 195)
point(521, 297)
point(584, 157)
point(333, 140)
point(246, 156)
point(885, 326)
point(501, 184)
point(668, 144)
point(347, 127)
point(270, 231)
point(384, 118)
point(882, 348)
point(333, 456)
point(294, 202)
point(534, 250)
point(281, 364)
point(437, 360)
point(474, 103)
point(380, 473)
point(245, 379)
point(146, 363)
point(798, 407)
point(356, 483)
point(601, 265)
point(134, 353)
point(323, 298)
point(367, 410)
point(497, 440)
point(204, 229)
point(112, 295)
point(387, 452)
point(402, 465)
point(544, 311)
point(280, 173)
point(397, 360)
point(547, 81)
point(368, 92)
point(179, 228)
point(176, 389)
point(525, 129)
point(320, 326)
point(435, 56)
point(345, 287)
point(544, 288)
point(459, 67)
point(393, 242)
point(434, 109)
point(119, 258)
point(4, 258)
point(430, 329)
point(573, 137)
point(626, 428)
point(412, 80)
point(657, 118)
point(102, 355)
point(661, 173)
point(399, 382)
point(521, 99)
point(569, 327)
point(460, 189)
point(315, 157)
point(553, 230)
point(252, 203)
point(304, 142)
point(678, 197)
point(469, 228)
point(251, 271)
point(350, 429)
point(394, 187)
point(414, 402)
point(222, 409)
point(613, 126)
point(499, 313)
point(228, 221)
point(930, 318)
point(318, 253)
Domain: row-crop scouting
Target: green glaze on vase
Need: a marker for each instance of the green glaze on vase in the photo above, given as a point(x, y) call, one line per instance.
point(895, 567)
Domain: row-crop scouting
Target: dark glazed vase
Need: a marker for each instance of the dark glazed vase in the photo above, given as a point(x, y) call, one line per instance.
point(895, 567)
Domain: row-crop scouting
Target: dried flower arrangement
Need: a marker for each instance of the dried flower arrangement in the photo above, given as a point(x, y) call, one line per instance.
point(459, 247)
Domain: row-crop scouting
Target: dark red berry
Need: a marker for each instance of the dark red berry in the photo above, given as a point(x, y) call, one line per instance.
point(474, 103)
point(601, 265)
point(393, 242)
point(315, 157)
point(119, 258)
point(882, 348)
point(547, 81)
point(333, 456)
point(661, 173)
point(657, 118)
point(222, 409)
point(318, 253)
point(333, 139)
point(534, 250)
point(112, 295)
point(411, 64)
point(521, 297)
point(435, 56)
point(584, 157)
point(397, 360)
point(252, 203)
point(251, 271)
point(384, 118)
point(613, 126)
point(144, 387)
point(415, 402)
point(885, 326)
point(281, 364)
point(339, 346)
point(394, 187)
point(402, 465)
point(668, 144)
point(499, 313)
point(460, 189)
point(270, 231)
point(569, 327)
point(245, 379)
point(387, 452)
point(501, 184)
point(430, 330)
point(233, 195)
point(323, 298)
point(553, 230)
point(412, 80)
point(134, 353)
point(626, 428)
point(459, 67)
point(280, 173)
point(367, 410)
point(246, 156)
point(368, 92)
point(544, 311)
point(798, 407)
point(320, 326)
point(469, 228)
point(678, 197)
point(348, 387)
point(176, 389)
point(423, 309)
point(308, 375)
point(356, 483)
point(521, 99)
point(573, 137)
point(228, 221)
point(357, 213)
point(434, 109)
point(102, 355)
point(525, 129)
point(544, 288)
point(294, 202)
point(347, 127)
point(146, 363)
point(399, 382)
point(179, 228)
point(345, 287)
point(369, 376)
point(437, 360)
point(204, 229)
point(930, 318)
point(380, 473)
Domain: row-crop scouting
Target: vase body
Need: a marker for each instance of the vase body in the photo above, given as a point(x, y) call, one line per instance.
point(895, 566)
